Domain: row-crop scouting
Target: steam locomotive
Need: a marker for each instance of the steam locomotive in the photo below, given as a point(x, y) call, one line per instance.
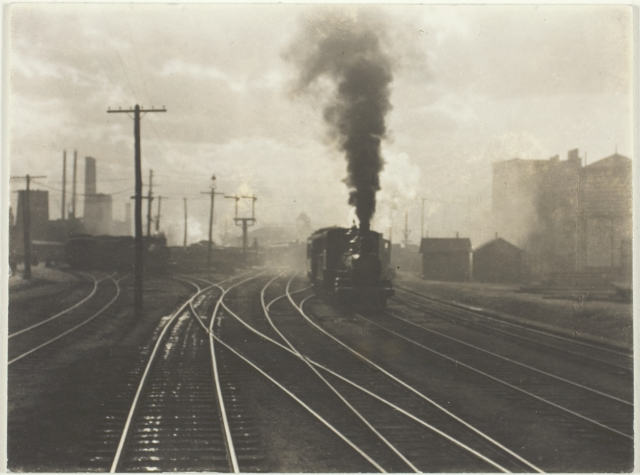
point(350, 264)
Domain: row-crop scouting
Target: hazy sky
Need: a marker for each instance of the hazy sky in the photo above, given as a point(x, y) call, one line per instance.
point(472, 85)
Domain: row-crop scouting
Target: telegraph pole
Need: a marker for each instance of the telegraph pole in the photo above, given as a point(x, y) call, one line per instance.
point(213, 194)
point(158, 217)
point(139, 245)
point(149, 200)
point(75, 174)
point(185, 223)
point(64, 183)
point(26, 225)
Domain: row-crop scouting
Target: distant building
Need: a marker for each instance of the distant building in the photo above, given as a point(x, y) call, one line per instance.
point(535, 206)
point(98, 213)
point(568, 218)
point(447, 259)
point(498, 261)
point(605, 213)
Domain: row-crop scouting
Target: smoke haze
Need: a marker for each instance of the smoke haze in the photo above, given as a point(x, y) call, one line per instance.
point(348, 52)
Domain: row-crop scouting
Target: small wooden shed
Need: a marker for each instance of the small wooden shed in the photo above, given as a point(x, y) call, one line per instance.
point(498, 261)
point(447, 259)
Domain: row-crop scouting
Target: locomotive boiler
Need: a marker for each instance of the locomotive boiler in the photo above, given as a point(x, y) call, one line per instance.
point(351, 265)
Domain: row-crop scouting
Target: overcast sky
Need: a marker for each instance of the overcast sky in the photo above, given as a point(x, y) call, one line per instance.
point(471, 85)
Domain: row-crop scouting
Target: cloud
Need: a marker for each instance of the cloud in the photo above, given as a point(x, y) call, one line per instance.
point(472, 84)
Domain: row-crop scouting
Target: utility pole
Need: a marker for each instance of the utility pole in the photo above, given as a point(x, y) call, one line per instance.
point(139, 245)
point(158, 217)
point(75, 175)
point(185, 223)
point(149, 200)
point(64, 183)
point(213, 194)
point(26, 225)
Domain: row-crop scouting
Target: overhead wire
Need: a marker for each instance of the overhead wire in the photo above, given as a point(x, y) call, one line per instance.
point(144, 84)
point(115, 48)
point(79, 194)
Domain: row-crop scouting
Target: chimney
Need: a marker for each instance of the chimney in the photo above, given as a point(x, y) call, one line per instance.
point(90, 176)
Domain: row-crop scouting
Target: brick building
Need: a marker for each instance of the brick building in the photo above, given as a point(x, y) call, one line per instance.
point(568, 218)
point(605, 214)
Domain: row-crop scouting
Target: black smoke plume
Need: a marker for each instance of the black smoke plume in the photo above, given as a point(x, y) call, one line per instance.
point(347, 50)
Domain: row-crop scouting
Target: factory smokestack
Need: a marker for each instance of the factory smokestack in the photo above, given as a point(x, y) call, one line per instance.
point(348, 52)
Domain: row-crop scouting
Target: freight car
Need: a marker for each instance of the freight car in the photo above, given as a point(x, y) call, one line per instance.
point(350, 264)
point(109, 253)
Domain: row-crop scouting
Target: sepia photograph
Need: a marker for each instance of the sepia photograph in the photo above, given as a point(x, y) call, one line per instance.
point(318, 238)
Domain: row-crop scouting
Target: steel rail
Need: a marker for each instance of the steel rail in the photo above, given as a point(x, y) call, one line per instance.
point(476, 313)
point(33, 350)
point(134, 404)
point(95, 288)
point(442, 314)
point(182, 279)
point(324, 380)
point(523, 365)
point(229, 446)
point(381, 399)
point(415, 391)
point(499, 381)
point(221, 303)
point(318, 365)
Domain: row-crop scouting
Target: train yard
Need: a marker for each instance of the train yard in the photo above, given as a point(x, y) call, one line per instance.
point(259, 372)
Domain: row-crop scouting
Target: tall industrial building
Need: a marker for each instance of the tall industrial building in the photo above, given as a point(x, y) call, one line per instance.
point(568, 218)
point(606, 214)
point(97, 206)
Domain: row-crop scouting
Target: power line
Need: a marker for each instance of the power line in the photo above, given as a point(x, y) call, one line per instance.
point(115, 48)
point(81, 194)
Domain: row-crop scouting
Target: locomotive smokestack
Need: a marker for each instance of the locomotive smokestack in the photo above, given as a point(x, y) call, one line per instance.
point(348, 52)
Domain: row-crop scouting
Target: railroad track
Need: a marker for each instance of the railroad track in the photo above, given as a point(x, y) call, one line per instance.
point(31, 303)
point(603, 412)
point(574, 348)
point(382, 420)
point(169, 415)
point(601, 397)
point(591, 416)
point(42, 334)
